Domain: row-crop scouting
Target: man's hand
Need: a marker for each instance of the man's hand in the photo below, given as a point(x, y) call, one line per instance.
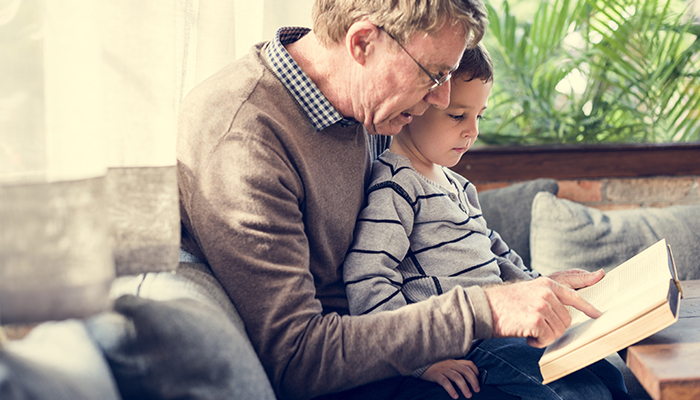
point(459, 372)
point(577, 278)
point(535, 309)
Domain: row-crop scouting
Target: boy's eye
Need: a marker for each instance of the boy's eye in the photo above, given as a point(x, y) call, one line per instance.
point(480, 117)
point(456, 117)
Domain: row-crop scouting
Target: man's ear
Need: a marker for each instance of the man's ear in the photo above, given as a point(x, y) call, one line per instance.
point(360, 40)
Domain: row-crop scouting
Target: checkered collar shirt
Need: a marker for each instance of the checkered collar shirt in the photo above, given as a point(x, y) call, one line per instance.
point(317, 107)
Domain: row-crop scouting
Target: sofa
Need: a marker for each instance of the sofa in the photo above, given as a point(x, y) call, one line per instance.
point(125, 353)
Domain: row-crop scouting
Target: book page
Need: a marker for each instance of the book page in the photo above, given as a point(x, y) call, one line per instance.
point(641, 303)
point(630, 278)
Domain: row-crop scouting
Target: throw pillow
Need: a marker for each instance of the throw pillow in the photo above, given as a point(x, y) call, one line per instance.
point(507, 211)
point(178, 349)
point(566, 234)
point(58, 361)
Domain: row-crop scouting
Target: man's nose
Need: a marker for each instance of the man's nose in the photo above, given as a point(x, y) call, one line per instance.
point(440, 97)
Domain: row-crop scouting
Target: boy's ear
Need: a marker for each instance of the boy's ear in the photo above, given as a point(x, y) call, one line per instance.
point(360, 40)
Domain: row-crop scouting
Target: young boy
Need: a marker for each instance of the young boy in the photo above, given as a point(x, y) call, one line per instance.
point(422, 234)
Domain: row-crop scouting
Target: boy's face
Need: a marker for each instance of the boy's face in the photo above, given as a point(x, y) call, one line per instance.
point(442, 136)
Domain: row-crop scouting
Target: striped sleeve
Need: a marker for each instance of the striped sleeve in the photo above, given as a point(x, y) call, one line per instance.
point(509, 262)
point(372, 281)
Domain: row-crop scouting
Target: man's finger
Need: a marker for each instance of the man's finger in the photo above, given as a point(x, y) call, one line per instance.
point(548, 328)
point(536, 342)
point(571, 298)
point(554, 323)
point(577, 278)
point(563, 316)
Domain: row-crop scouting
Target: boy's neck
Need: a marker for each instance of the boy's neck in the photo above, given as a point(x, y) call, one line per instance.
point(430, 170)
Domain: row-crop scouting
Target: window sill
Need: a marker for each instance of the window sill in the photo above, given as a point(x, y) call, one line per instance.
point(505, 163)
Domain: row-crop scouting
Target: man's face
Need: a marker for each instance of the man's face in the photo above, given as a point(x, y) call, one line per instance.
point(396, 88)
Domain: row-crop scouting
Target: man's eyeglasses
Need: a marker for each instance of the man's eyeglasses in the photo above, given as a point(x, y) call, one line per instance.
point(438, 80)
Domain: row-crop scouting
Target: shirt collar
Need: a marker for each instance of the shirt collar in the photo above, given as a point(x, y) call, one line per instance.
point(317, 107)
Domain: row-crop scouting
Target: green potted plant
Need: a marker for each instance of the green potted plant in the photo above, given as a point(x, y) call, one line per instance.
point(588, 72)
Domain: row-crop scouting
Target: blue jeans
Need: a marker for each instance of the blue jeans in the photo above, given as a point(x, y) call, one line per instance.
point(409, 388)
point(511, 365)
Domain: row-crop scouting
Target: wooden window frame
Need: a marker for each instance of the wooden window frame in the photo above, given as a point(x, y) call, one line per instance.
point(570, 162)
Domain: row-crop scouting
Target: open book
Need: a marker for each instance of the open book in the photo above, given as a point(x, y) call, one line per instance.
point(638, 298)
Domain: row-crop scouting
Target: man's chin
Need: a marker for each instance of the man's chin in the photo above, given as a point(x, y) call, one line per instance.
point(391, 127)
point(386, 130)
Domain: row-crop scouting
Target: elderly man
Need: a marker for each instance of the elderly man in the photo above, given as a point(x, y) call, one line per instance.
point(273, 159)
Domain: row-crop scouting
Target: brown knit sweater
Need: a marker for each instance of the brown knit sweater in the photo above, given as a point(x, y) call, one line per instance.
point(271, 204)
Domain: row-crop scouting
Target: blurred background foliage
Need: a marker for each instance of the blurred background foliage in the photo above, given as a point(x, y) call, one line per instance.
point(592, 71)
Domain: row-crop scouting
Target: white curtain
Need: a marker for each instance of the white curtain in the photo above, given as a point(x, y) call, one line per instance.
point(89, 94)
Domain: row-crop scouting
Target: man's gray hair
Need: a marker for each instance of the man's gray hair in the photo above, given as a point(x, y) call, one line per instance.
point(400, 18)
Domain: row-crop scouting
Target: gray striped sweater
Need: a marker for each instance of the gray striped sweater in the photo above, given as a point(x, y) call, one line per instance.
point(415, 239)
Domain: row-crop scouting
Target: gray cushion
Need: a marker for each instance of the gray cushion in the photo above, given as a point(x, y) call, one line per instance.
point(566, 234)
point(178, 349)
point(58, 361)
point(507, 211)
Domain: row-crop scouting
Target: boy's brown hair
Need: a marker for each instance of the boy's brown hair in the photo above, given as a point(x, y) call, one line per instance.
point(475, 64)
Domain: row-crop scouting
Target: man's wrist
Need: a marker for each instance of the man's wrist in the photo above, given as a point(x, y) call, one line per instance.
point(481, 312)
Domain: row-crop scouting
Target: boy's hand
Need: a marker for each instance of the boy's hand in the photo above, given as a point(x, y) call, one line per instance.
point(459, 372)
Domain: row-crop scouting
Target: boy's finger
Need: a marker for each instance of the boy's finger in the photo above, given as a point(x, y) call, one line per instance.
point(447, 385)
point(469, 372)
point(463, 387)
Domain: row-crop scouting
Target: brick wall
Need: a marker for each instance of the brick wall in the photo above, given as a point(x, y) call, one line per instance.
point(607, 177)
point(622, 193)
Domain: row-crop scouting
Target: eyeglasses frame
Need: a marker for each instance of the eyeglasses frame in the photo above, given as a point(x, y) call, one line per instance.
point(437, 81)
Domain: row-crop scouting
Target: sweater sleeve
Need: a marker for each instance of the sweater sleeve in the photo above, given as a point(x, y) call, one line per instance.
point(510, 263)
point(381, 240)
